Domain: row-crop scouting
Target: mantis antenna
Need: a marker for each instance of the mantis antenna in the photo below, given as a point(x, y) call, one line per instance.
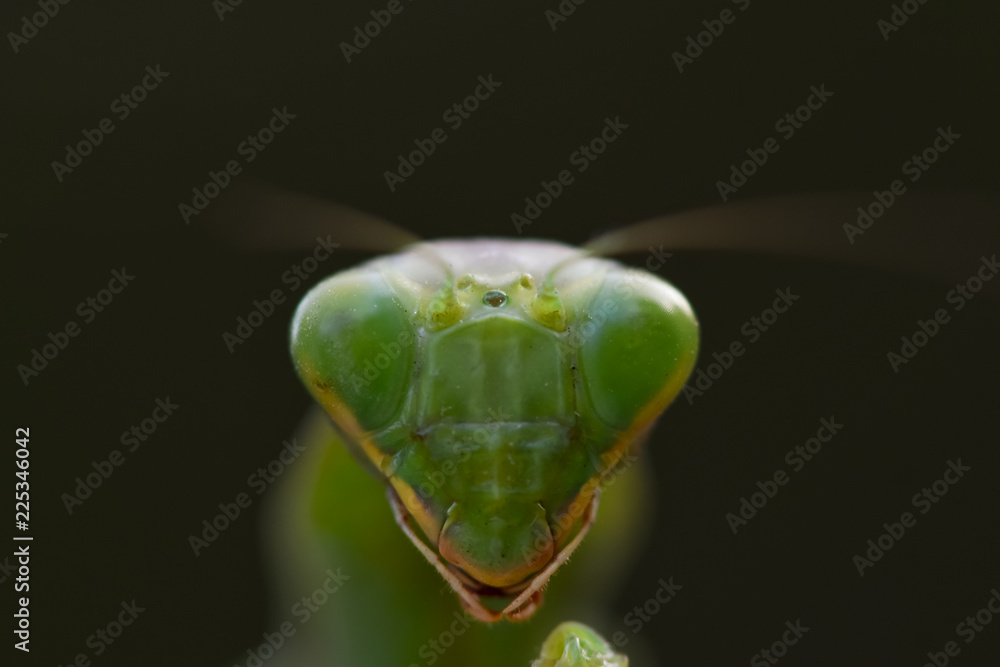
point(256, 216)
point(942, 235)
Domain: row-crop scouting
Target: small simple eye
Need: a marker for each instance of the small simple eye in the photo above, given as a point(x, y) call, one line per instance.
point(495, 298)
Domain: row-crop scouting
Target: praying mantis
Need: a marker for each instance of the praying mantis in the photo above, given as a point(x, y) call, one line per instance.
point(492, 384)
point(465, 377)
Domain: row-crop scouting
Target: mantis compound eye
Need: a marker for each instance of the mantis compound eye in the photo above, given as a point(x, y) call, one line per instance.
point(638, 348)
point(353, 344)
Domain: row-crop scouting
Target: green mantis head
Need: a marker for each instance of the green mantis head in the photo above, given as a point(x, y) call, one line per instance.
point(492, 384)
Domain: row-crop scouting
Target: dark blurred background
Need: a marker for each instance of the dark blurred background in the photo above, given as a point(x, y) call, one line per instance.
point(162, 336)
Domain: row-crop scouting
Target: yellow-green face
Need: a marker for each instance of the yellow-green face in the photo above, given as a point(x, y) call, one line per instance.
point(492, 383)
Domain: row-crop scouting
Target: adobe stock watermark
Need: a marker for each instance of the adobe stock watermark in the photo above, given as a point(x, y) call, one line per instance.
point(696, 44)
point(562, 12)
point(223, 7)
point(597, 315)
point(230, 511)
point(104, 637)
point(248, 149)
point(364, 34)
point(373, 366)
point(927, 329)
point(294, 277)
point(88, 309)
point(643, 614)
point(797, 458)
point(22, 616)
point(898, 17)
point(968, 629)
point(915, 167)
point(131, 439)
point(581, 158)
point(8, 568)
point(31, 24)
point(303, 610)
point(454, 115)
point(122, 107)
point(481, 434)
point(923, 500)
point(606, 308)
point(779, 647)
point(432, 650)
point(703, 378)
point(565, 521)
point(654, 260)
point(786, 126)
